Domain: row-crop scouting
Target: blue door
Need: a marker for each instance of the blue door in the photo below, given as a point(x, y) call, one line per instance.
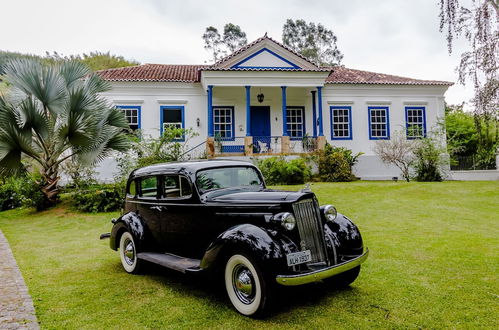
point(260, 128)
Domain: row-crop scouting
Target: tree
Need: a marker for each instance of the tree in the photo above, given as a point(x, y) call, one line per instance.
point(54, 113)
point(398, 151)
point(234, 38)
point(315, 42)
point(479, 24)
point(218, 45)
point(94, 60)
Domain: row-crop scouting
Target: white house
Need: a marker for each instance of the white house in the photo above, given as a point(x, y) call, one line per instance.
point(267, 99)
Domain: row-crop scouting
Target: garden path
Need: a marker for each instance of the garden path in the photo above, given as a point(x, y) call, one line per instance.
point(16, 306)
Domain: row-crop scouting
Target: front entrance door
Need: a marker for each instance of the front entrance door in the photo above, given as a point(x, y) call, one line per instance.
point(260, 128)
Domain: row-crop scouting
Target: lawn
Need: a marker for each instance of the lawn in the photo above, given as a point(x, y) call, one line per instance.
point(433, 264)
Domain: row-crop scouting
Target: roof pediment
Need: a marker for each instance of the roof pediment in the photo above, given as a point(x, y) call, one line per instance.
point(265, 54)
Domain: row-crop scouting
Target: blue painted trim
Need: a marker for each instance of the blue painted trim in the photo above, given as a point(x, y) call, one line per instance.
point(172, 107)
point(331, 109)
point(139, 112)
point(407, 122)
point(210, 110)
point(284, 117)
point(239, 66)
point(248, 110)
point(303, 124)
point(314, 114)
point(233, 120)
point(319, 99)
point(387, 137)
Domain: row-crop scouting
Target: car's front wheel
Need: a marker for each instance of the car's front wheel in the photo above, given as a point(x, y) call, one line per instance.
point(246, 286)
point(128, 253)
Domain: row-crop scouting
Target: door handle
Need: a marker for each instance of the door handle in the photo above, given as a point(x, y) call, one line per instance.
point(159, 208)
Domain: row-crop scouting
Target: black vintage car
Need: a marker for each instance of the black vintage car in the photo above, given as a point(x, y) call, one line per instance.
point(208, 216)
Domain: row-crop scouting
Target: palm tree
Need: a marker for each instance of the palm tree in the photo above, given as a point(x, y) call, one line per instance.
point(52, 113)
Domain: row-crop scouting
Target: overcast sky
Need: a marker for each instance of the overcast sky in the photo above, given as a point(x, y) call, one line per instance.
point(398, 37)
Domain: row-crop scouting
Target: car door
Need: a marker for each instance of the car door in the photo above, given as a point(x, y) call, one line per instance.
point(177, 212)
point(147, 205)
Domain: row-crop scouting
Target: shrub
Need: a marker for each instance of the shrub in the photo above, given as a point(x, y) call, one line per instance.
point(98, 198)
point(428, 161)
point(24, 190)
point(335, 164)
point(9, 195)
point(278, 170)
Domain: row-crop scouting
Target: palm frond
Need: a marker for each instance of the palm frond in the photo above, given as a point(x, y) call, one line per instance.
point(72, 72)
point(43, 83)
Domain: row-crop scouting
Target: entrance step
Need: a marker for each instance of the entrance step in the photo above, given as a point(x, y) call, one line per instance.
point(171, 261)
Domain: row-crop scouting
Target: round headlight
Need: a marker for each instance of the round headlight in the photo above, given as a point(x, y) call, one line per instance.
point(286, 219)
point(330, 212)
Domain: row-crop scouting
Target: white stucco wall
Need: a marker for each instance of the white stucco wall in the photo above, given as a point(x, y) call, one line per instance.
point(150, 96)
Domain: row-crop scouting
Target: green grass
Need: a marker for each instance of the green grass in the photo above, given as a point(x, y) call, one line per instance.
point(433, 264)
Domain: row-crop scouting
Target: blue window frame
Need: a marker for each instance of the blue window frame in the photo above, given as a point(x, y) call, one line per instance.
point(379, 123)
point(295, 122)
point(172, 116)
point(415, 122)
point(223, 122)
point(341, 122)
point(132, 114)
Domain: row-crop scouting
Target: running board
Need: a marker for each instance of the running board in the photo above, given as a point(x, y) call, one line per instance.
point(171, 261)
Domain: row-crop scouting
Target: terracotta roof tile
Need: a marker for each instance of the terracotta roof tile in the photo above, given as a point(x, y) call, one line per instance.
point(191, 73)
point(342, 75)
point(153, 72)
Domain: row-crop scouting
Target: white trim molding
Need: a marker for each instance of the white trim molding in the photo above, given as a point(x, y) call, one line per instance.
point(172, 101)
point(123, 102)
point(379, 102)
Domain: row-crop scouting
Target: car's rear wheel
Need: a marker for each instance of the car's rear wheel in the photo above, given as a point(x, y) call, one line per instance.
point(246, 286)
point(128, 253)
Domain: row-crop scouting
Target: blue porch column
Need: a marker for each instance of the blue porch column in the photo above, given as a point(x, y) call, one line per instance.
point(319, 100)
point(284, 119)
point(314, 114)
point(248, 110)
point(210, 110)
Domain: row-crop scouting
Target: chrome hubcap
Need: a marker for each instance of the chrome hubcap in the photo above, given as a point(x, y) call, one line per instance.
point(243, 284)
point(129, 252)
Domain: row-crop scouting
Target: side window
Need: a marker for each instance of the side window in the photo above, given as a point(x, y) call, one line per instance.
point(185, 187)
point(132, 189)
point(149, 187)
point(176, 186)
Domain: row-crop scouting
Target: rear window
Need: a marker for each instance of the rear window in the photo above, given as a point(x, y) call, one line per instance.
point(149, 187)
point(176, 186)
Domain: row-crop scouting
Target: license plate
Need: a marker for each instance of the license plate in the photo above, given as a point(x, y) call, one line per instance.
point(297, 258)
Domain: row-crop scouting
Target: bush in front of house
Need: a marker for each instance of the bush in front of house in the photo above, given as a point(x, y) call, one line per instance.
point(25, 191)
point(429, 161)
point(278, 170)
point(9, 195)
point(98, 198)
point(335, 164)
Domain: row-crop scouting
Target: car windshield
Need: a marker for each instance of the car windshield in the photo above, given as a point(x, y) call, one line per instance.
point(228, 177)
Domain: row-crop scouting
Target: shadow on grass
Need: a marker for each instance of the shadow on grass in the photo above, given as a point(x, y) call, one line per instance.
point(286, 299)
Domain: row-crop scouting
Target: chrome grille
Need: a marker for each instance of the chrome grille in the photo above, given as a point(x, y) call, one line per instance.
point(310, 228)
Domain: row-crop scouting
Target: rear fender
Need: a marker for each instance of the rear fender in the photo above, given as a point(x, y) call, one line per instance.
point(132, 223)
point(266, 246)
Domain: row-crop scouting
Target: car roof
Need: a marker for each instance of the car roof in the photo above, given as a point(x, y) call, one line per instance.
point(187, 166)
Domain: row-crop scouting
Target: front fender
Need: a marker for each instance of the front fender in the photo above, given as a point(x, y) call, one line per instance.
point(132, 223)
point(346, 236)
point(267, 246)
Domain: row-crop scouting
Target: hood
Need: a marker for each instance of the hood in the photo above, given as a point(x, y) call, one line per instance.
point(264, 196)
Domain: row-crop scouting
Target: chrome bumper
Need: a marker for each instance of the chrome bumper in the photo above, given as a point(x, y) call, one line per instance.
point(299, 279)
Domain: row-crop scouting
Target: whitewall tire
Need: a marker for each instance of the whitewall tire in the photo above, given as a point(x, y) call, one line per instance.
point(128, 253)
point(246, 286)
